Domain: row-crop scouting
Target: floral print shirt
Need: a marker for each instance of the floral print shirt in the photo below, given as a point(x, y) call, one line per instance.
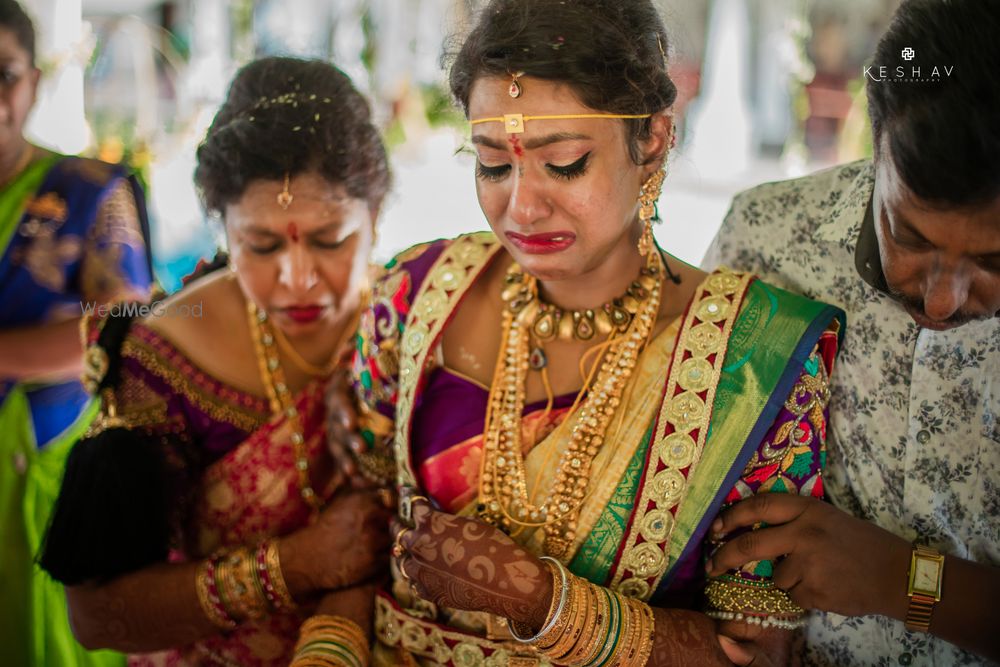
point(914, 437)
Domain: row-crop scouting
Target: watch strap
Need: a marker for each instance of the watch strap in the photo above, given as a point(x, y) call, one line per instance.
point(918, 615)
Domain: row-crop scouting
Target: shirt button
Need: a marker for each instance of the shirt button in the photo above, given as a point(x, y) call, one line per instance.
point(905, 659)
point(923, 436)
point(20, 463)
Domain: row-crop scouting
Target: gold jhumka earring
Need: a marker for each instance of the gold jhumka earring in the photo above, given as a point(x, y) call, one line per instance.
point(285, 196)
point(648, 196)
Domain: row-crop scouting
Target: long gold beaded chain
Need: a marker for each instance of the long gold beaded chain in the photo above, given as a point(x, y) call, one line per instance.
point(503, 489)
point(280, 397)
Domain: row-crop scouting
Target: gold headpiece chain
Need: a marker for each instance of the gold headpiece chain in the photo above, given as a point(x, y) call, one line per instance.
point(514, 122)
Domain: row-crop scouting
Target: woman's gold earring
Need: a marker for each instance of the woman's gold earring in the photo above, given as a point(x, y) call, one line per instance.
point(648, 196)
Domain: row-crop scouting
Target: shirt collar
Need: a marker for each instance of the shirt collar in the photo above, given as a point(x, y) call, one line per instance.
point(867, 259)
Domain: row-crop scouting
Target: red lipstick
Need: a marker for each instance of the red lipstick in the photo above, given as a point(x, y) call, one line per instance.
point(542, 244)
point(304, 314)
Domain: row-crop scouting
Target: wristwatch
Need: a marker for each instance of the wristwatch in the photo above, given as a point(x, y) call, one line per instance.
point(924, 589)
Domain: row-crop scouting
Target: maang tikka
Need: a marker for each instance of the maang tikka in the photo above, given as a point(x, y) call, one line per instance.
point(285, 196)
point(515, 89)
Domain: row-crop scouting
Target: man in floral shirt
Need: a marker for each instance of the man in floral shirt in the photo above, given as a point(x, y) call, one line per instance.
point(909, 246)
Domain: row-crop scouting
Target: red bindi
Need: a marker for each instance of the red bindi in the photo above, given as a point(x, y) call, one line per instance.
point(516, 143)
point(293, 232)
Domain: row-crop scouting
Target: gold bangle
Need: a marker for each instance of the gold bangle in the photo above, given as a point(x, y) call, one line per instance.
point(208, 596)
point(583, 625)
point(647, 635)
point(276, 585)
point(598, 628)
point(562, 638)
point(331, 640)
point(750, 597)
point(560, 579)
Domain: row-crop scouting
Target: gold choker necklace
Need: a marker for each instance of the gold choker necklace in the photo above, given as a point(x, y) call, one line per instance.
point(548, 322)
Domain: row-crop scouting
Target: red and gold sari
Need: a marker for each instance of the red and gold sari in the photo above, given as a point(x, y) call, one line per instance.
point(231, 477)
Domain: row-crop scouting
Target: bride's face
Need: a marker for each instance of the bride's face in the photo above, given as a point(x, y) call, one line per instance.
point(562, 195)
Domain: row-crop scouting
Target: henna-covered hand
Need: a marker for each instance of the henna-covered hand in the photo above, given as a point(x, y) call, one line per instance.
point(465, 564)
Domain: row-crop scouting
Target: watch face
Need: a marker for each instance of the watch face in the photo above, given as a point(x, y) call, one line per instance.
point(925, 575)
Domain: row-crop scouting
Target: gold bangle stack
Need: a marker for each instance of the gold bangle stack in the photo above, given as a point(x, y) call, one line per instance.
point(593, 626)
point(331, 641)
point(242, 584)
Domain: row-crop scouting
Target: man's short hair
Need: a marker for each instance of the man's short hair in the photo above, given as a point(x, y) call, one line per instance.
point(943, 132)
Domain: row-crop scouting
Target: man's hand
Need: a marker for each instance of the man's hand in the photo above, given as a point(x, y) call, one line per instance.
point(833, 561)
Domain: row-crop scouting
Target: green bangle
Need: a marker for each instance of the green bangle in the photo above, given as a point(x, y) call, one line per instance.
point(329, 647)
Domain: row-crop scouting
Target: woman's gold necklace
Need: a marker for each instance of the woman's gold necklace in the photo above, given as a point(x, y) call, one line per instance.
point(280, 397)
point(503, 493)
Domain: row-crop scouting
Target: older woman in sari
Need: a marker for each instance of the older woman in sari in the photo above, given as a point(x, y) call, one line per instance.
point(568, 407)
point(203, 519)
point(73, 235)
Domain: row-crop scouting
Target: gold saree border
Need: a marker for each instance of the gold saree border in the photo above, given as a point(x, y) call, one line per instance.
point(441, 646)
point(680, 432)
point(448, 280)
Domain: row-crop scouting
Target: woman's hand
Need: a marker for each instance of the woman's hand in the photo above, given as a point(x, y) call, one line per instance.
point(465, 564)
point(348, 544)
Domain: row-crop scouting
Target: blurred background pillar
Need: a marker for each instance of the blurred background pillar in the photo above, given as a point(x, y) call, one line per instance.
point(721, 128)
point(63, 49)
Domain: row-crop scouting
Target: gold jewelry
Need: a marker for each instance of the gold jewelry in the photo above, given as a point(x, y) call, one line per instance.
point(548, 322)
point(514, 122)
point(648, 196)
point(272, 579)
point(285, 197)
point(503, 488)
point(750, 597)
point(763, 620)
point(560, 594)
point(398, 550)
point(331, 641)
point(280, 397)
point(206, 586)
point(515, 89)
point(406, 500)
point(308, 367)
point(924, 587)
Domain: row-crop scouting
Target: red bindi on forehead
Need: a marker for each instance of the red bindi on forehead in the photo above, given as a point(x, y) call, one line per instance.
point(293, 232)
